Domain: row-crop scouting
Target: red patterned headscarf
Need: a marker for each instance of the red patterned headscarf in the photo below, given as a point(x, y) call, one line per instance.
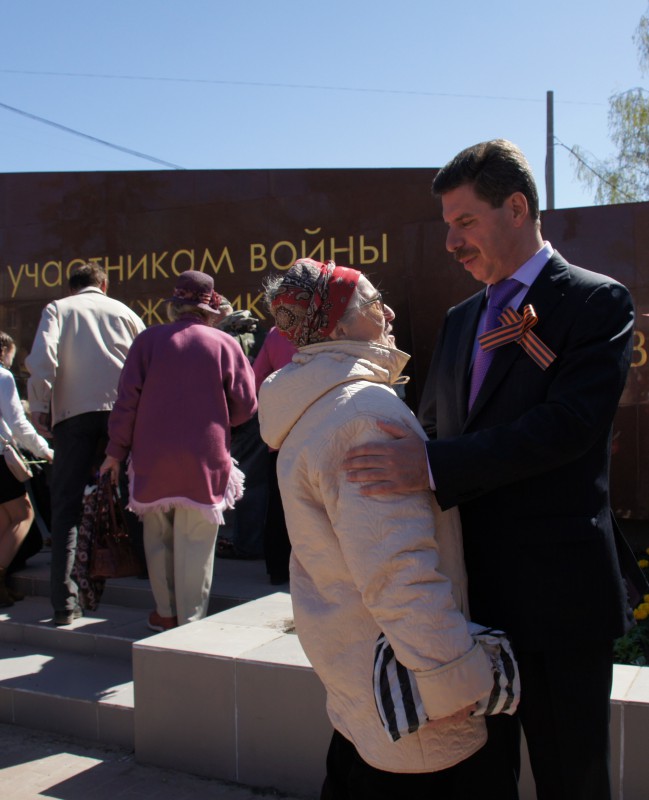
point(311, 299)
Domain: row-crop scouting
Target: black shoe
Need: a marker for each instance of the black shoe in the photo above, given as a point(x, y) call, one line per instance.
point(67, 617)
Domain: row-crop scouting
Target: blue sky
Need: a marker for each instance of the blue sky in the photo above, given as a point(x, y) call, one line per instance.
point(210, 84)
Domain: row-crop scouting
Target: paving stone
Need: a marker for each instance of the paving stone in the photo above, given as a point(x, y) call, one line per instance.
point(34, 765)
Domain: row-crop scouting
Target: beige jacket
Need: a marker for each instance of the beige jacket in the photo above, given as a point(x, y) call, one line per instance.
point(78, 353)
point(362, 565)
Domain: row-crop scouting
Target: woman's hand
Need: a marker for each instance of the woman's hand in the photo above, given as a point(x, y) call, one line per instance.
point(110, 465)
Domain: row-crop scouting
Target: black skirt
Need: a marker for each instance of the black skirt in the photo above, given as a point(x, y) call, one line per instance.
point(10, 487)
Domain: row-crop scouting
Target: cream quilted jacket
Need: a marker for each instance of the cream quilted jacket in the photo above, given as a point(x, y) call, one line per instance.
point(362, 565)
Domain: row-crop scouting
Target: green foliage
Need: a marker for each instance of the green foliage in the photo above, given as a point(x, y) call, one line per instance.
point(641, 38)
point(633, 647)
point(623, 178)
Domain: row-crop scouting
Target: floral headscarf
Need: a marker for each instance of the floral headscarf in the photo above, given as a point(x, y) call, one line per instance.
point(311, 299)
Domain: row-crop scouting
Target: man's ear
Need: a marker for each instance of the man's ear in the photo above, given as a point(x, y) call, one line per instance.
point(338, 332)
point(104, 286)
point(519, 208)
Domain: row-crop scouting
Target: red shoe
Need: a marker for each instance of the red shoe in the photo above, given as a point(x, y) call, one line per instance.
point(158, 623)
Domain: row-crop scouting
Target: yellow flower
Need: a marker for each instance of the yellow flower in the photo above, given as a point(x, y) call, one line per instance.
point(639, 614)
point(644, 607)
point(646, 598)
point(643, 563)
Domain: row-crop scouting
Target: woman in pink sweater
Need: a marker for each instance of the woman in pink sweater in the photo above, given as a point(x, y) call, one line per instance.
point(184, 385)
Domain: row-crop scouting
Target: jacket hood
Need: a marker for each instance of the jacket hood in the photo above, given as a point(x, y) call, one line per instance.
point(315, 370)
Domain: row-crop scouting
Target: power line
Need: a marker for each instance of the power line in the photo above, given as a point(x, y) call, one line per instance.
point(265, 84)
point(600, 177)
point(88, 136)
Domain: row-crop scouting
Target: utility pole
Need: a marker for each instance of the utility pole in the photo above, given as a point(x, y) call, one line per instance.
point(549, 152)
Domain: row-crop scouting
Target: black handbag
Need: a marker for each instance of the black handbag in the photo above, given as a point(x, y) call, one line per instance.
point(112, 554)
point(90, 591)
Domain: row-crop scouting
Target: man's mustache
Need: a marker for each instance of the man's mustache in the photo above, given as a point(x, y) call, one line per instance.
point(463, 253)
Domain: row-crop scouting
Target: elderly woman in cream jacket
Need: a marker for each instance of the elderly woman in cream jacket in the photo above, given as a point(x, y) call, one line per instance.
point(362, 566)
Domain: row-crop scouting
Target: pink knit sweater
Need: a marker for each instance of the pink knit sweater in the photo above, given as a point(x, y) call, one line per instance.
point(276, 352)
point(183, 386)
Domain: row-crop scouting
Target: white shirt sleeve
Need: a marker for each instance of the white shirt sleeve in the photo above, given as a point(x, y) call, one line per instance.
point(13, 417)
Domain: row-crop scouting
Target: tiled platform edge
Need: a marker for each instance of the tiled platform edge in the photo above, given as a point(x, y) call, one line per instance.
point(234, 697)
point(629, 729)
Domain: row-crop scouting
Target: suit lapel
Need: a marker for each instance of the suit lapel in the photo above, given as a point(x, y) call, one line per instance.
point(548, 289)
point(544, 294)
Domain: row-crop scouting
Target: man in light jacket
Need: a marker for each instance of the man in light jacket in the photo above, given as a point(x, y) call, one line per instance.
point(77, 356)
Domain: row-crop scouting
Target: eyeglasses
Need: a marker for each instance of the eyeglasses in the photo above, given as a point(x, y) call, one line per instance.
point(378, 298)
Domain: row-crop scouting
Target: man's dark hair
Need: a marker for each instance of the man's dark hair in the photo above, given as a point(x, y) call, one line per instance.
point(6, 341)
point(496, 169)
point(86, 275)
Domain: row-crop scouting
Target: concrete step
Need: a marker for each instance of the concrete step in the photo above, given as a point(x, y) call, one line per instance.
point(74, 693)
point(109, 631)
point(234, 582)
point(77, 679)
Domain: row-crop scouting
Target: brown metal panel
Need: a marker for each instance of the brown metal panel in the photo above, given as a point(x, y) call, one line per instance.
point(160, 218)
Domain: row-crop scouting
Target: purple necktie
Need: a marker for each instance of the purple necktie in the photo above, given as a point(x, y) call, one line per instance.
point(499, 297)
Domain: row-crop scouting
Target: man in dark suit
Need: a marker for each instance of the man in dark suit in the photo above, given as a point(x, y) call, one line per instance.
point(525, 456)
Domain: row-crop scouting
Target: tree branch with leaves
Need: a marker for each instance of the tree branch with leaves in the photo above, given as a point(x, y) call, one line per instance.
point(623, 178)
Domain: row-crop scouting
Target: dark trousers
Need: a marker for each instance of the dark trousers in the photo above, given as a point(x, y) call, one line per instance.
point(79, 447)
point(484, 774)
point(244, 524)
point(564, 710)
point(277, 545)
